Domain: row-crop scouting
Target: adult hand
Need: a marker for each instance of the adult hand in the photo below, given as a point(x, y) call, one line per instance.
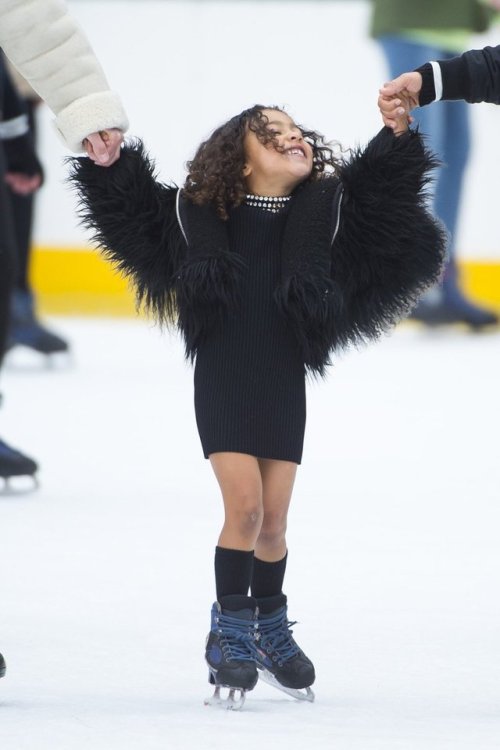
point(104, 147)
point(23, 184)
point(399, 97)
point(408, 83)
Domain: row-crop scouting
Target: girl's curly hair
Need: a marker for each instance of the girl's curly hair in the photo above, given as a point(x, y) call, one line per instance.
point(215, 175)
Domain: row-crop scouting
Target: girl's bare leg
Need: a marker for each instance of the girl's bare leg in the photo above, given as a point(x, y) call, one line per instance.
point(278, 478)
point(240, 481)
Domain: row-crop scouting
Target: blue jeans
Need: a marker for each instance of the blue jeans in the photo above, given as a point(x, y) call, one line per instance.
point(446, 128)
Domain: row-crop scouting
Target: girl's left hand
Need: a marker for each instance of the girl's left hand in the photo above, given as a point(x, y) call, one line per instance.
point(395, 111)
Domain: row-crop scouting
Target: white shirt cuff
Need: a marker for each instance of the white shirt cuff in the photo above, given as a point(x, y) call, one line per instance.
point(438, 80)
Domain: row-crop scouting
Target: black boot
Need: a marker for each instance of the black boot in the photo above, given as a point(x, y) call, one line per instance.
point(228, 650)
point(447, 304)
point(276, 651)
point(3, 666)
point(13, 463)
point(454, 310)
point(26, 330)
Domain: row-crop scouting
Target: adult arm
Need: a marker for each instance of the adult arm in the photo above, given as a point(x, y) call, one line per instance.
point(24, 172)
point(50, 50)
point(473, 76)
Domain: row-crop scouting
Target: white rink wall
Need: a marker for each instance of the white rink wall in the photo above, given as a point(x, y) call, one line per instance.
point(184, 66)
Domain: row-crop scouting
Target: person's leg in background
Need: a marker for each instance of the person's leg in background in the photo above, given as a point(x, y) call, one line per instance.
point(6, 280)
point(12, 462)
point(25, 328)
point(447, 207)
point(446, 128)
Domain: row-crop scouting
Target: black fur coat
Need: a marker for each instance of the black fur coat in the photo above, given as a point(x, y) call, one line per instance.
point(358, 251)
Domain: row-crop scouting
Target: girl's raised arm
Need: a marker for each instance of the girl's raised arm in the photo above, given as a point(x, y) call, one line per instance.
point(134, 223)
point(389, 249)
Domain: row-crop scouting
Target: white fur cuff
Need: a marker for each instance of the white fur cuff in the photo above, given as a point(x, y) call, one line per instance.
point(89, 115)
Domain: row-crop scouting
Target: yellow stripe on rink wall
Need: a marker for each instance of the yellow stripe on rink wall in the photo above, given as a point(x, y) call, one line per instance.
point(78, 281)
point(481, 281)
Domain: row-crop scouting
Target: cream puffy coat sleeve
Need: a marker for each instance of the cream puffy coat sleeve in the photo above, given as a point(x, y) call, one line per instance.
point(51, 51)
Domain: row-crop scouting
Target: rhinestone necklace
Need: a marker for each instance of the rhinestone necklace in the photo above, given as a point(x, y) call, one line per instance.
point(268, 203)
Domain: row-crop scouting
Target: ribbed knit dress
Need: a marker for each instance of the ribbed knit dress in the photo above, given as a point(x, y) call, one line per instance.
point(249, 376)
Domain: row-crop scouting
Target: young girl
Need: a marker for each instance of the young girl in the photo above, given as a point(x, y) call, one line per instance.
point(270, 257)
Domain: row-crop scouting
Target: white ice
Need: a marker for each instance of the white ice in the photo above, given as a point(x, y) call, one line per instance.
point(394, 565)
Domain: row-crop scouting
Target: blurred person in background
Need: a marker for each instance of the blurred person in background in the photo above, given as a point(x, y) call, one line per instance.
point(25, 328)
point(50, 50)
point(21, 174)
point(410, 34)
point(473, 77)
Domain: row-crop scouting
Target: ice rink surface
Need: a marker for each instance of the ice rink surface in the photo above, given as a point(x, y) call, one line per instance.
point(106, 571)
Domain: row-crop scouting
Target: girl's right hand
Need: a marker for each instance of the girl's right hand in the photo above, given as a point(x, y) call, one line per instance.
point(104, 147)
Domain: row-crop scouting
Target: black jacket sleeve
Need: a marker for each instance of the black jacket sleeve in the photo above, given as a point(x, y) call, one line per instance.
point(474, 77)
point(428, 90)
point(388, 249)
point(133, 220)
point(15, 133)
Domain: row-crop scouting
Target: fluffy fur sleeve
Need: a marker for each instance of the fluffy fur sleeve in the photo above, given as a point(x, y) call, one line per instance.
point(133, 221)
point(389, 248)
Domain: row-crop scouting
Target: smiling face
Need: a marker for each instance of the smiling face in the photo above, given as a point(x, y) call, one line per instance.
point(277, 167)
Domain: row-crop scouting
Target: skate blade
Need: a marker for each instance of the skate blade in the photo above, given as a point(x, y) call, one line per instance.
point(22, 358)
point(231, 702)
point(15, 486)
point(300, 695)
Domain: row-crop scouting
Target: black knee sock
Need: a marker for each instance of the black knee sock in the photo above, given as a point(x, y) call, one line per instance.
point(267, 577)
point(233, 571)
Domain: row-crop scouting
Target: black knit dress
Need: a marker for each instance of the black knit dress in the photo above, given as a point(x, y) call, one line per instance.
point(249, 375)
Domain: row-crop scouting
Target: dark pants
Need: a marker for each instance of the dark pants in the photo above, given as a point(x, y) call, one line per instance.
point(22, 219)
point(16, 218)
point(446, 128)
point(8, 268)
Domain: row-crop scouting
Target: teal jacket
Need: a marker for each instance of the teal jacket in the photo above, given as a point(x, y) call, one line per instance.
point(393, 16)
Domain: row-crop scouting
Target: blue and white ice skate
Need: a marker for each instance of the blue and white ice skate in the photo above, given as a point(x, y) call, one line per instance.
point(281, 663)
point(229, 652)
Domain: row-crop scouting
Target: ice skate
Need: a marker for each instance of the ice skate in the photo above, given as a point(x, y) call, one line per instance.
point(26, 330)
point(14, 464)
point(280, 661)
point(229, 653)
point(447, 305)
point(3, 667)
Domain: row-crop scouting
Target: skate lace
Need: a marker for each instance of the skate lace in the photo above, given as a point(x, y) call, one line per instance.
point(275, 637)
point(236, 637)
